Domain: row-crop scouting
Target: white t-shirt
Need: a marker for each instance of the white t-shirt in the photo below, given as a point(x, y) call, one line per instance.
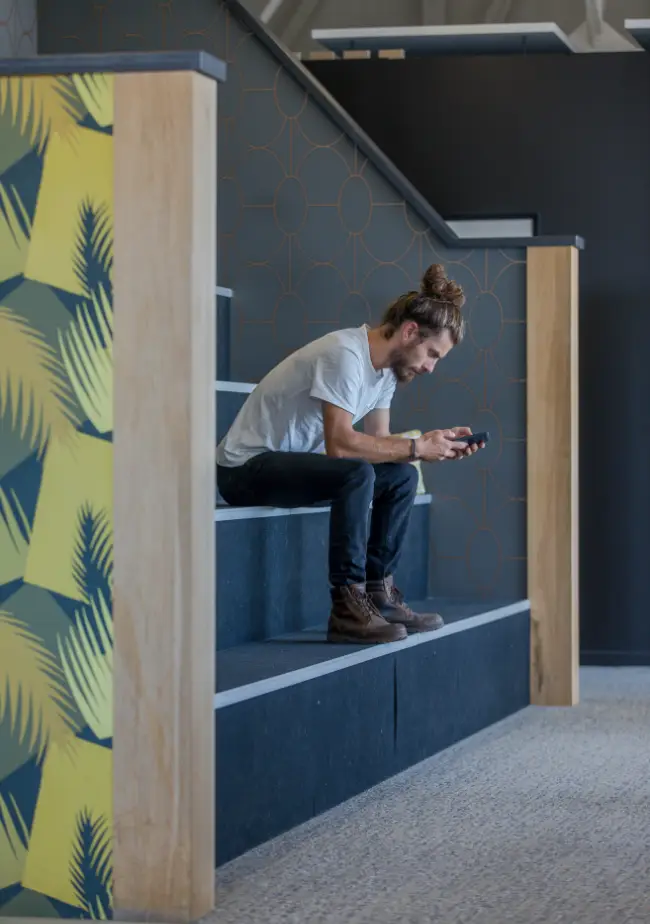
point(284, 412)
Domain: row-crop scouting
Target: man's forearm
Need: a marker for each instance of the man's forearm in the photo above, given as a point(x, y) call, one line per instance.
point(373, 449)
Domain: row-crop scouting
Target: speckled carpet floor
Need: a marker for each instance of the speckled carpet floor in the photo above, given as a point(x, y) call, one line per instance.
point(542, 819)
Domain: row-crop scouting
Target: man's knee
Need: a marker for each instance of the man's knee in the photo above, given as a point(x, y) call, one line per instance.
point(356, 475)
point(405, 474)
point(360, 472)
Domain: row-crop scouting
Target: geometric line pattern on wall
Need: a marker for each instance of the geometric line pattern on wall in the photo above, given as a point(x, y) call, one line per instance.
point(56, 505)
point(313, 237)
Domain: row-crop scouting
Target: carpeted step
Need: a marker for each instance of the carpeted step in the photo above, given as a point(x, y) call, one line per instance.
point(302, 726)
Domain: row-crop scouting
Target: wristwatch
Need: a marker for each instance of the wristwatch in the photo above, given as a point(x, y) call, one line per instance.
point(414, 451)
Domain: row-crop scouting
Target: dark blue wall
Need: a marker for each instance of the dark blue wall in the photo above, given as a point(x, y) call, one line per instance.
point(312, 238)
point(569, 139)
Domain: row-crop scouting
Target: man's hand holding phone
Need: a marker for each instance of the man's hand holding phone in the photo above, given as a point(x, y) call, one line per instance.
point(457, 443)
point(469, 442)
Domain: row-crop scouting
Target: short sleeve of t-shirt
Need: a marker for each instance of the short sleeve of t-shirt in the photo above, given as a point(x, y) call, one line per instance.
point(338, 379)
point(386, 395)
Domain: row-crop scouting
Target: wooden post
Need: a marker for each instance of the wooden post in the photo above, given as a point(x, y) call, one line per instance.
point(164, 495)
point(552, 388)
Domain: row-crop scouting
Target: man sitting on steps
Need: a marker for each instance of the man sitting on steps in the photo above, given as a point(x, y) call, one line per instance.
point(271, 457)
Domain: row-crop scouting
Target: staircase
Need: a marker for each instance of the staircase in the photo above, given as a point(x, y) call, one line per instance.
point(302, 725)
point(317, 231)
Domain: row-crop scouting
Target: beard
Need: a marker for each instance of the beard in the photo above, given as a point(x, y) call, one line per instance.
point(401, 360)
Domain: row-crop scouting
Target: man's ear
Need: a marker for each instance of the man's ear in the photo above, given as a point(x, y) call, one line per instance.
point(410, 331)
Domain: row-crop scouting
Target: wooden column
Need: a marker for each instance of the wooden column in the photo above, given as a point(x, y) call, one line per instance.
point(552, 387)
point(164, 495)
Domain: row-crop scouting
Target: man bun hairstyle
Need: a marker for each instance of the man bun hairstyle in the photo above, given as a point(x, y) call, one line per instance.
point(436, 285)
point(435, 308)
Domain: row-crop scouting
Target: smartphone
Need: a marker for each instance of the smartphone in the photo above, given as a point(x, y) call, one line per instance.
point(474, 438)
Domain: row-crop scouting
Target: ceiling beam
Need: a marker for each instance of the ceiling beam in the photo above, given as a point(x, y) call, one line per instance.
point(299, 20)
point(270, 10)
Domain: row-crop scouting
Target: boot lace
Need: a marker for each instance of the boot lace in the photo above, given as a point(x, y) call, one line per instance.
point(397, 599)
point(366, 605)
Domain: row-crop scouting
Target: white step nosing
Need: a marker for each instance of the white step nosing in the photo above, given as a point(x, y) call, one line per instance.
point(314, 671)
point(225, 293)
point(240, 388)
point(223, 514)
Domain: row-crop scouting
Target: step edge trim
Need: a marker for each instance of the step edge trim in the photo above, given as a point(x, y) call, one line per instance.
point(225, 293)
point(241, 388)
point(293, 678)
point(223, 514)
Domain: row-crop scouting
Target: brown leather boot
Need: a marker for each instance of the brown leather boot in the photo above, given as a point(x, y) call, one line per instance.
point(355, 620)
point(390, 603)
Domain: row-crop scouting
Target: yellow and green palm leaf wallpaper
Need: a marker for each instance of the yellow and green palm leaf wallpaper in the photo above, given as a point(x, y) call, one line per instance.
point(56, 510)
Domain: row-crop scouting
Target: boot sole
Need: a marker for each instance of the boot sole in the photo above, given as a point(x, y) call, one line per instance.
point(412, 631)
point(355, 640)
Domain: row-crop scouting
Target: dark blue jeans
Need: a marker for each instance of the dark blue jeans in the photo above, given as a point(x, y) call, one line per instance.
point(362, 547)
